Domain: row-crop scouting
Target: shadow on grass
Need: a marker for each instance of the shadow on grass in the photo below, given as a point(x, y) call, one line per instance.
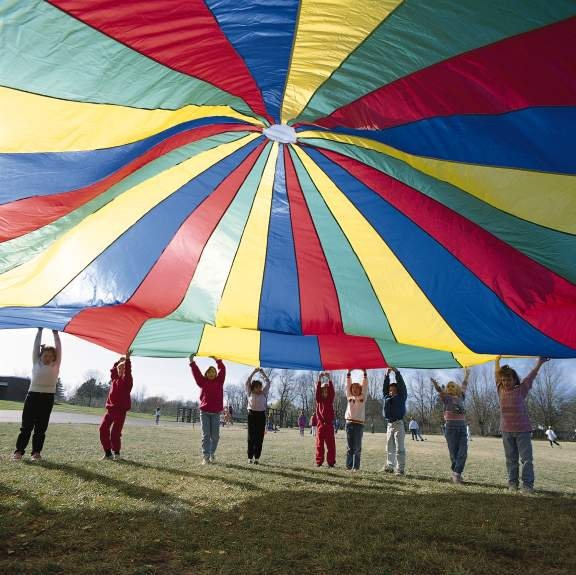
point(318, 477)
point(285, 531)
point(128, 489)
point(186, 473)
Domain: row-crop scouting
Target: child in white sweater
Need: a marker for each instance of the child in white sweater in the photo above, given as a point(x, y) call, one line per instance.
point(40, 399)
point(356, 395)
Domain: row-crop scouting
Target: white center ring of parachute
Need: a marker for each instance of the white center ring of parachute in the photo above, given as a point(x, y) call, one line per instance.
point(281, 133)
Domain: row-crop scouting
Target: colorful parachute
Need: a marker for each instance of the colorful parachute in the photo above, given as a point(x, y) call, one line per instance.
point(305, 184)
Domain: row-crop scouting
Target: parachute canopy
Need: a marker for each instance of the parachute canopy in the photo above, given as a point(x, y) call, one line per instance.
point(306, 184)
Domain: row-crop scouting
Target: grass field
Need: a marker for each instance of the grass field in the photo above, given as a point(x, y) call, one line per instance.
point(161, 512)
point(69, 408)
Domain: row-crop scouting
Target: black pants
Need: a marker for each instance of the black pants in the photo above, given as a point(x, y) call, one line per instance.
point(35, 416)
point(552, 441)
point(414, 434)
point(256, 427)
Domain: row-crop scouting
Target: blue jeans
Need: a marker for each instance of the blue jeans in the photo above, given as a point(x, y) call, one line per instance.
point(210, 423)
point(354, 432)
point(518, 445)
point(457, 440)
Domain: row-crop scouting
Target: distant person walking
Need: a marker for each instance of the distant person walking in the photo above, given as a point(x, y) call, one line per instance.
point(552, 437)
point(40, 398)
point(157, 415)
point(413, 427)
point(302, 422)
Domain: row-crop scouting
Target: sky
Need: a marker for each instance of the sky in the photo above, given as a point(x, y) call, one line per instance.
point(170, 378)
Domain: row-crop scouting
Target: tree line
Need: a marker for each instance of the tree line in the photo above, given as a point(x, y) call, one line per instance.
point(551, 401)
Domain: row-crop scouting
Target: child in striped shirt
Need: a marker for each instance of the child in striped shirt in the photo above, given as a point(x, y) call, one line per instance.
point(515, 423)
point(453, 397)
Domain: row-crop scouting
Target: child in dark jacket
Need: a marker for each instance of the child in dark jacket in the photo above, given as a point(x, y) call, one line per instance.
point(394, 410)
point(117, 405)
point(325, 421)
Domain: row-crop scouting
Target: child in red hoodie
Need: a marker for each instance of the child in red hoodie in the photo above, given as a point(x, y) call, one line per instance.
point(325, 416)
point(117, 405)
point(211, 384)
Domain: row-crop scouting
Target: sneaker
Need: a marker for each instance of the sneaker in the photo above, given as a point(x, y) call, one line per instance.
point(106, 457)
point(205, 461)
point(36, 457)
point(250, 461)
point(116, 457)
point(16, 456)
point(512, 487)
point(387, 469)
point(527, 489)
point(333, 465)
point(456, 478)
point(318, 465)
point(256, 462)
point(398, 472)
point(212, 459)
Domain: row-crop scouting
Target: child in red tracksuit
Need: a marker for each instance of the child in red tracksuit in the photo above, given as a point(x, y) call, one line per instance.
point(117, 405)
point(325, 414)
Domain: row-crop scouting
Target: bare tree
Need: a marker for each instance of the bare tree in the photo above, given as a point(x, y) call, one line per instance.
point(340, 402)
point(138, 399)
point(305, 388)
point(285, 392)
point(236, 397)
point(482, 400)
point(376, 383)
point(549, 396)
point(422, 399)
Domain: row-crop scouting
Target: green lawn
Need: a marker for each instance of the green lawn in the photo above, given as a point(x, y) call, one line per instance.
point(161, 512)
point(67, 407)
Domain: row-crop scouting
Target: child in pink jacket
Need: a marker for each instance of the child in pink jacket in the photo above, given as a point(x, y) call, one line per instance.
point(118, 405)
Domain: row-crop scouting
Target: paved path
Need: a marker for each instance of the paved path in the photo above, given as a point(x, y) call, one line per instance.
point(15, 416)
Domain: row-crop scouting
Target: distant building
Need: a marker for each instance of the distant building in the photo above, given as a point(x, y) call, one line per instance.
point(14, 388)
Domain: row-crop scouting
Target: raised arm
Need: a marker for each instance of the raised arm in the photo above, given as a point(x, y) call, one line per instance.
point(36, 346)
point(386, 386)
point(198, 377)
point(266, 387)
point(400, 384)
point(437, 387)
point(529, 379)
point(364, 384)
point(348, 383)
point(58, 346)
point(249, 381)
point(465, 380)
point(221, 370)
point(497, 367)
point(331, 391)
point(128, 369)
